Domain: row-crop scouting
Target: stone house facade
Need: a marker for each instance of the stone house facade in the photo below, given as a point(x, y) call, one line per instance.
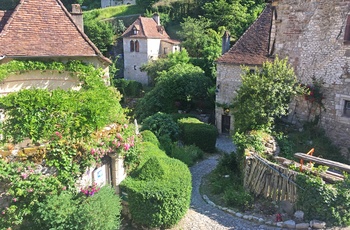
point(108, 3)
point(143, 41)
point(42, 31)
point(315, 36)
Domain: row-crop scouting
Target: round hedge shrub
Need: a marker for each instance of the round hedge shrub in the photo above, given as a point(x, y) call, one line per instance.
point(161, 124)
point(161, 194)
point(148, 136)
point(198, 133)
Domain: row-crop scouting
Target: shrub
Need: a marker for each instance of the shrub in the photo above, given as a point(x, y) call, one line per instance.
point(238, 198)
point(148, 136)
point(161, 124)
point(188, 154)
point(66, 211)
point(166, 144)
point(201, 134)
point(100, 211)
point(129, 88)
point(324, 201)
point(57, 212)
point(160, 195)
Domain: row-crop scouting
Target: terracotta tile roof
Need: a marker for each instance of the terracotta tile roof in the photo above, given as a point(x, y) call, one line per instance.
point(148, 28)
point(43, 28)
point(252, 46)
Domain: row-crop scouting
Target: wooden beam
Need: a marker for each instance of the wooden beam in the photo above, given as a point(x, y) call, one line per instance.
point(321, 161)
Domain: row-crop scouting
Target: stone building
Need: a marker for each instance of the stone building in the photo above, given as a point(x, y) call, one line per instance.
point(143, 41)
point(108, 3)
point(43, 31)
point(315, 36)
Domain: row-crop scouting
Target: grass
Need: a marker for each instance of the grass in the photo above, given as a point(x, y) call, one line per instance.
point(114, 11)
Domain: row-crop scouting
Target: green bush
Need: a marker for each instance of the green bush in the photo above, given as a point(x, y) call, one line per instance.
point(68, 211)
point(148, 136)
point(161, 124)
point(147, 151)
point(160, 195)
point(57, 212)
point(326, 202)
point(238, 198)
point(100, 211)
point(129, 88)
point(166, 144)
point(201, 134)
point(188, 154)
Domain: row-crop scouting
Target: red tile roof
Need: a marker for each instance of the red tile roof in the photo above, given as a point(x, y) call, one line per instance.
point(148, 28)
point(252, 47)
point(43, 28)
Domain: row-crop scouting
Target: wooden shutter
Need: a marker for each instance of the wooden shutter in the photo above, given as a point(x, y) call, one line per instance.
point(132, 46)
point(137, 46)
point(347, 30)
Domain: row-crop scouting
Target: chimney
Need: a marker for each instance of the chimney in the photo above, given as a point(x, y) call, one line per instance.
point(77, 15)
point(156, 18)
point(225, 42)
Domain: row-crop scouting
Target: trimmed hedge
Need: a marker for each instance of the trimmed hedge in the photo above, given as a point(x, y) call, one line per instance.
point(159, 194)
point(198, 133)
point(148, 136)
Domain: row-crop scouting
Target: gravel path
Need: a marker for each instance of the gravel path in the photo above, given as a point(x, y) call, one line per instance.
point(201, 215)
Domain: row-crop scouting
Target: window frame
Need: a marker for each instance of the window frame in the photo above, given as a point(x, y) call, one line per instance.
point(137, 46)
point(347, 30)
point(132, 46)
point(346, 108)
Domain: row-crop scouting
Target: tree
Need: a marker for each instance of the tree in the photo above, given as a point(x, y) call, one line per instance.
point(181, 85)
point(101, 34)
point(154, 68)
point(193, 34)
point(264, 95)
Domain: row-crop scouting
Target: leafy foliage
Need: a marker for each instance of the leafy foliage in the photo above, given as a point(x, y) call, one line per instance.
point(38, 113)
point(129, 88)
point(264, 95)
point(155, 67)
point(101, 33)
point(25, 188)
point(68, 211)
point(324, 201)
point(198, 133)
point(161, 124)
point(184, 83)
point(148, 136)
point(188, 154)
point(160, 195)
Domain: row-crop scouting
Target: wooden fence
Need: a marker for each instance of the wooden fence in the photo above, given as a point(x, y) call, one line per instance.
point(270, 180)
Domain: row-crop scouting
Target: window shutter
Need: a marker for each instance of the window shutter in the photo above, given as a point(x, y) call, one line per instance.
point(347, 29)
point(137, 46)
point(132, 46)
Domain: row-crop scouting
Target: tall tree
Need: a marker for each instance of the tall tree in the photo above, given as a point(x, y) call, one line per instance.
point(264, 95)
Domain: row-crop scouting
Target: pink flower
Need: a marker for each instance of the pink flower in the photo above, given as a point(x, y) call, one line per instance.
point(93, 151)
point(30, 190)
point(24, 175)
point(119, 136)
point(64, 188)
point(3, 212)
point(14, 199)
point(117, 144)
point(126, 146)
point(125, 126)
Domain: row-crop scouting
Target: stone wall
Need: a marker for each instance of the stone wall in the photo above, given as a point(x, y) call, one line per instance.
point(227, 82)
point(311, 34)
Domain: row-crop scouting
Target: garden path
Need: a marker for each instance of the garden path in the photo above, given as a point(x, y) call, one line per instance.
point(203, 216)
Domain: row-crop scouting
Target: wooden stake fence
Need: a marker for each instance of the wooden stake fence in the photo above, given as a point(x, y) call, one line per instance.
point(269, 180)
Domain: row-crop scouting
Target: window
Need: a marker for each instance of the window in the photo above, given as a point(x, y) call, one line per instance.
point(137, 46)
point(132, 46)
point(347, 109)
point(347, 31)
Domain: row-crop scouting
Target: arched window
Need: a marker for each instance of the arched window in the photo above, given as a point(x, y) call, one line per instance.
point(132, 46)
point(137, 46)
